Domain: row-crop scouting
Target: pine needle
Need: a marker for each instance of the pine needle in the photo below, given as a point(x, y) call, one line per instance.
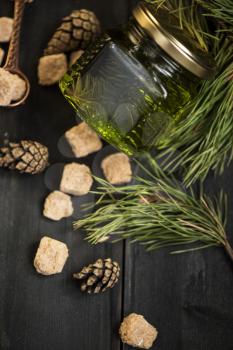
point(158, 211)
point(175, 217)
point(205, 137)
point(188, 14)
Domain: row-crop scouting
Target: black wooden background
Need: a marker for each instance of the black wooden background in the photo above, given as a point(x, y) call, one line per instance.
point(189, 298)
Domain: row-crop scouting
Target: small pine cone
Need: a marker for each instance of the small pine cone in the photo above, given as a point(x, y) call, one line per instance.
point(26, 156)
point(97, 277)
point(76, 32)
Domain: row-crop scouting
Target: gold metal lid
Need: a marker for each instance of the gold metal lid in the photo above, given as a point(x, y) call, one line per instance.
point(164, 30)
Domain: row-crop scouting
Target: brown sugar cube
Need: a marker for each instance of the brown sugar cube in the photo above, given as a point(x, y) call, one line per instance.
point(57, 206)
point(12, 87)
point(76, 179)
point(6, 26)
point(74, 56)
point(117, 169)
point(52, 68)
point(2, 54)
point(5, 87)
point(137, 332)
point(19, 87)
point(83, 140)
point(51, 256)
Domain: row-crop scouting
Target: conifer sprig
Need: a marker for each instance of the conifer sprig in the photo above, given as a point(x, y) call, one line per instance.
point(205, 137)
point(157, 212)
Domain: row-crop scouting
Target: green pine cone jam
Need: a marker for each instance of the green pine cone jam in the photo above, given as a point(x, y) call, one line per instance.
point(131, 92)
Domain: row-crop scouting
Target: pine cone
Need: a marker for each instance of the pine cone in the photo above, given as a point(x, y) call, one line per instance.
point(76, 32)
point(25, 156)
point(103, 274)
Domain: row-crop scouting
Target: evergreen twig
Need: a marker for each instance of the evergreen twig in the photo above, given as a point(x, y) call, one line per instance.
point(159, 211)
point(174, 217)
point(205, 136)
point(189, 19)
point(221, 10)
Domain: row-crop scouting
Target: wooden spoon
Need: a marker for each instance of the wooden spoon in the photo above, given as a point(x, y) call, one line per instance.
point(12, 60)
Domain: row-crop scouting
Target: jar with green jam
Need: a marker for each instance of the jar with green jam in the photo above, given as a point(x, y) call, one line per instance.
point(133, 84)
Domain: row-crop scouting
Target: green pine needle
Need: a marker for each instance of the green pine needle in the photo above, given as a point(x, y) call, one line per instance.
point(174, 217)
point(221, 10)
point(189, 19)
point(205, 137)
point(177, 217)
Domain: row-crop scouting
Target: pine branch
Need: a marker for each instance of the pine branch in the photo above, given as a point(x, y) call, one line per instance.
point(220, 10)
point(188, 14)
point(157, 212)
point(205, 137)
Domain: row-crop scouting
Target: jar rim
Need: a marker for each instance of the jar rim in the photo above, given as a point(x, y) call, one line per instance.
point(173, 41)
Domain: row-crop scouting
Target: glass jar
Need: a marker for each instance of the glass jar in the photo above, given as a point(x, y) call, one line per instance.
point(133, 83)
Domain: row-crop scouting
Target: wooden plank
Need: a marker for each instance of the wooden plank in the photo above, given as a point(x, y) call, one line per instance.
point(187, 297)
point(36, 312)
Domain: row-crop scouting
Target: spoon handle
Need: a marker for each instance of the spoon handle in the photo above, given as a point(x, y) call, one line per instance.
point(12, 60)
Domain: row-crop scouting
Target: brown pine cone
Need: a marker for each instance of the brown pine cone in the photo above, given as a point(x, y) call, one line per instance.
point(26, 156)
point(76, 32)
point(97, 277)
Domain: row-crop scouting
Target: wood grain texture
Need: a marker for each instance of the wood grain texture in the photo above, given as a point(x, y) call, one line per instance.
point(187, 297)
point(37, 312)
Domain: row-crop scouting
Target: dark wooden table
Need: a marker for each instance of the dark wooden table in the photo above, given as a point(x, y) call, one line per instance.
point(187, 297)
